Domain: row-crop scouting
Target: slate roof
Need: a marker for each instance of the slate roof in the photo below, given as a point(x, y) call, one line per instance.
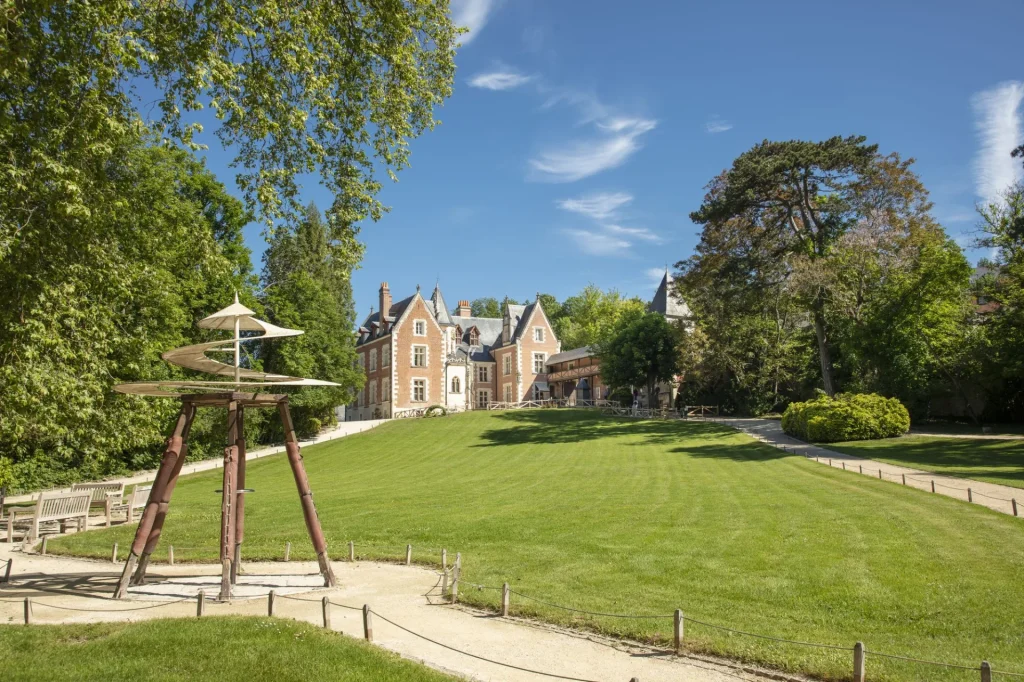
point(666, 303)
point(574, 354)
point(441, 313)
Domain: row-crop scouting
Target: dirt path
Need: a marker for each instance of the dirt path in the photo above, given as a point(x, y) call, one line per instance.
point(992, 495)
point(343, 429)
point(408, 596)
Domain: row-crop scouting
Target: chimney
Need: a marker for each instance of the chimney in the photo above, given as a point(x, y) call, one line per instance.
point(464, 309)
point(385, 300)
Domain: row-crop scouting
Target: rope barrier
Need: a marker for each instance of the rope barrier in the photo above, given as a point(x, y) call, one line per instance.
point(138, 608)
point(920, 660)
point(481, 658)
point(774, 639)
point(344, 606)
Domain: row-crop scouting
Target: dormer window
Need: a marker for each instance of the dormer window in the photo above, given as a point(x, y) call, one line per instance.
point(474, 337)
point(419, 327)
point(538, 334)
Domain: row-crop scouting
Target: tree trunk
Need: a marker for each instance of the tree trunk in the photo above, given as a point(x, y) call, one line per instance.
point(823, 352)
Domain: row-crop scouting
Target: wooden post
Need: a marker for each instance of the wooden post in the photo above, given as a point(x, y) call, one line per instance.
point(879, 474)
point(444, 584)
point(858, 662)
point(861, 468)
point(933, 486)
point(408, 555)
point(904, 479)
point(325, 604)
point(239, 502)
point(270, 603)
point(455, 576)
point(287, 551)
point(677, 630)
point(225, 580)
point(1012, 500)
point(170, 459)
point(844, 466)
point(986, 672)
point(351, 551)
point(444, 559)
point(200, 603)
point(830, 461)
point(367, 623)
point(970, 496)
point(43, 550)
point(113, 554)
point(28, 611)
point(504, 599)
point(7, 571)
point(316, 533)
point(170, 555)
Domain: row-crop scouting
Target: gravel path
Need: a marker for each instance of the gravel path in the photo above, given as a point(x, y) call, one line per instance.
point(991, 495)
point(409, 596)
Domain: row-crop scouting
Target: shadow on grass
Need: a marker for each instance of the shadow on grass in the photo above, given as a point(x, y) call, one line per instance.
point(542, 427)
point(1000, 460)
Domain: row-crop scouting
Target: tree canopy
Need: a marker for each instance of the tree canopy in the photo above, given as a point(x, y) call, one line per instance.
point(642, 353)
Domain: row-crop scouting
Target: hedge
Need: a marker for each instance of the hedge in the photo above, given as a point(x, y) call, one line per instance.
point(861, 416)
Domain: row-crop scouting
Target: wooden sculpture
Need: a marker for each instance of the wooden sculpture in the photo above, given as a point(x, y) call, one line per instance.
point(232, 396)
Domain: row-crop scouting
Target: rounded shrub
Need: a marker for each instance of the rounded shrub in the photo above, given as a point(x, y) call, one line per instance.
point(860, 416)
point(435, 411)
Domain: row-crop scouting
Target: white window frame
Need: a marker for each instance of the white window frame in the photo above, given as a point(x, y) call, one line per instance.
point(385, 355)
point(537, 392)
point(362, 362)
point(456, 385)
point(506, 365)
point(426, 355)
point(486, 394)
point(373, 393)
point(538, 334)
point(483, 373)
point(373, 359)
point(418, 325)
point(412, 390)
point(507, 392)
point(543, 357)
point(385, 390)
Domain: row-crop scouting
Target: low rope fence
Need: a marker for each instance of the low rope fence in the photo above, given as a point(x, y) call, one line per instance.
point(450, 581)
point(929, 480)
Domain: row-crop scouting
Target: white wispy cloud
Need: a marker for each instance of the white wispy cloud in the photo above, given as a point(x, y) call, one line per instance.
point(633, 232)
point(472, 14)
point(654, 275)
point(599, 244)
point(998, 121)
point(599, 206)
point(499, 80)
point(582, 158)
point(717, 125)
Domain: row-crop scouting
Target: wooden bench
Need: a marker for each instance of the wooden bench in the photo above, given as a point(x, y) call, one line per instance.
point(59, 507)
point(137, 500)
point(103, 494)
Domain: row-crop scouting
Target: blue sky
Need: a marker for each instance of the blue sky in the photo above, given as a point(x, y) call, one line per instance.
point(581, 134)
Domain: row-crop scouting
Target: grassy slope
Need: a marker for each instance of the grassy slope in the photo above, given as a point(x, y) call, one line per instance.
point(224, 649)
point(624, 516)
point(993, 461)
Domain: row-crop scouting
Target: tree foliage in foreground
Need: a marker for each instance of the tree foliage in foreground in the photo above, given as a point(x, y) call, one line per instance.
point(592, 317)
point(336, 88)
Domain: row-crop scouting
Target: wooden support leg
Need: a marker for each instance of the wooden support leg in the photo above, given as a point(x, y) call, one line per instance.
point(239, 512)
point(316, 533)
point(164, 502)
point(227, 516)
point(163, 475)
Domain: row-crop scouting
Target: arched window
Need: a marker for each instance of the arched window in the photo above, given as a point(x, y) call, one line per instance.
point(456, 385)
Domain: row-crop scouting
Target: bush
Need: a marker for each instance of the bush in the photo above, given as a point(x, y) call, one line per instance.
point(435, 411)
point(862, 416)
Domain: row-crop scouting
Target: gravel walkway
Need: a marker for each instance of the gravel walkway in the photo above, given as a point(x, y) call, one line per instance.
point(994, 496)
point(406, 595)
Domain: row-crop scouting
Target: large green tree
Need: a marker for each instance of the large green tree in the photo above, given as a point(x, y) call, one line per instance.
point(642, 353)
point(797, 199)
point(593, 316)
point(159, 247)
point(308, 285)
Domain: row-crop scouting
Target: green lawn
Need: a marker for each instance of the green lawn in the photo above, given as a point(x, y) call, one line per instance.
point(233, 649)
point(993, 461)
point(645, 517)
point(960, 428)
